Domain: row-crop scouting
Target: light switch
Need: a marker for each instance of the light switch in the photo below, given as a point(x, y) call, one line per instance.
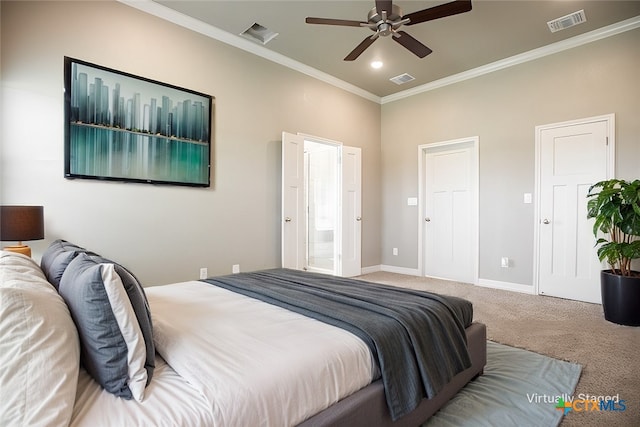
point(412, 201)
point(527, 198)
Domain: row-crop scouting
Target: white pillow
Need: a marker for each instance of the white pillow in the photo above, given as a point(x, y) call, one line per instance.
point(20, 271)
point(39, 348)
point(113, 320)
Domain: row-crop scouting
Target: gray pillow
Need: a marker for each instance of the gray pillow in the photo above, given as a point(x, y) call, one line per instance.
point(56, 259)
point(111, 313)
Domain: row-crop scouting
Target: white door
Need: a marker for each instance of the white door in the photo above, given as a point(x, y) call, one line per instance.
point(450, 211)
point(293, 220)
point(351, 212)
point(294, 213)
point(571, 157)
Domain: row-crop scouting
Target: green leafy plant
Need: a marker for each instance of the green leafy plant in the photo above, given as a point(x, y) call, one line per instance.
point(615, 205)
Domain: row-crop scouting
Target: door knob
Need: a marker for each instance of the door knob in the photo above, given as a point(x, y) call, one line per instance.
point(358, 218)
point(427, 219)
point(287, 219)
point(546, 221)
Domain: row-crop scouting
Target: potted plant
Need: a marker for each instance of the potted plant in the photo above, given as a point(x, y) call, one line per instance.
point(615, 206)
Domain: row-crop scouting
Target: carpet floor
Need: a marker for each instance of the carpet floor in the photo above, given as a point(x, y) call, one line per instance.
point(518, 388)
point(562, 329)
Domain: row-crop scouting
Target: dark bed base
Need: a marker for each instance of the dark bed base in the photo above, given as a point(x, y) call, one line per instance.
point(368, 408)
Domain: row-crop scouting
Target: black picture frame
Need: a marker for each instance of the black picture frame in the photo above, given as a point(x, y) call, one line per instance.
point(123, 127)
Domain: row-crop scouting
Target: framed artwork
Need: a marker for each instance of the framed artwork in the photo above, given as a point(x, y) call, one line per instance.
point(123, 127)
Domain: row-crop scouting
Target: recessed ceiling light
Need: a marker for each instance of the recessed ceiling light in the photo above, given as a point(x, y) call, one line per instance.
point(376, 64)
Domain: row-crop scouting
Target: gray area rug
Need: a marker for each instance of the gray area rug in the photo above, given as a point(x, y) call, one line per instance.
point(511, 392)
point(566, 330)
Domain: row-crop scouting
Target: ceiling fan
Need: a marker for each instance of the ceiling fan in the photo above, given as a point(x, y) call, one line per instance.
point(386, 18)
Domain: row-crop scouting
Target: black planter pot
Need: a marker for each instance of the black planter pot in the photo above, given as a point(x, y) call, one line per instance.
point(620, 298)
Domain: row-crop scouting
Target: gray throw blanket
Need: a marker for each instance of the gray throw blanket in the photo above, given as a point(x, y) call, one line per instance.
point(418, 338)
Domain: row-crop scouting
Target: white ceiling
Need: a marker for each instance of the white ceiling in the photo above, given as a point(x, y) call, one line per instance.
point(492, 31)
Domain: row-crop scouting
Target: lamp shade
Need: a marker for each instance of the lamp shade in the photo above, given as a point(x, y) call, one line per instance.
point(18, 223)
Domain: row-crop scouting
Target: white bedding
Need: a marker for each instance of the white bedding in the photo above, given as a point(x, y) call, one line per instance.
point(255, 363)
point(168, 401)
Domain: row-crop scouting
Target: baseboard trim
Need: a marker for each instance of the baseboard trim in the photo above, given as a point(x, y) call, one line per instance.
point(485, 283)
point(370, 269)
point(507, 286)
point(400, 270)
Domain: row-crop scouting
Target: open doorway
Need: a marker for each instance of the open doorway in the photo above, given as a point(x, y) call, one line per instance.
point(321, 205)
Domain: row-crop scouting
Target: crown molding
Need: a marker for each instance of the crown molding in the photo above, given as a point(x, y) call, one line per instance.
point(198, 26)
point(163, 12)
point(598, 34)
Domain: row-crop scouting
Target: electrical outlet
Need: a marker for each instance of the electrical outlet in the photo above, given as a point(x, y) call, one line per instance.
point(235, 268)
point(395, 251)
point(204, 273)
point(504, 262)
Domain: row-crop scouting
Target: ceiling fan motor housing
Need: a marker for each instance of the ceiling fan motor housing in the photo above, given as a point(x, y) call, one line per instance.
point(383, 26)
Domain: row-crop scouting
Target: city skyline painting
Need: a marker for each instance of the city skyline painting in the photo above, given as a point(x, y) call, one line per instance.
point(128, 128)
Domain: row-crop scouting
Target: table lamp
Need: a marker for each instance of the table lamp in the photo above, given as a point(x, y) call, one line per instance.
point(18, 223)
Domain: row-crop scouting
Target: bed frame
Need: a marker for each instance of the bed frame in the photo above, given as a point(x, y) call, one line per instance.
point(368, 407)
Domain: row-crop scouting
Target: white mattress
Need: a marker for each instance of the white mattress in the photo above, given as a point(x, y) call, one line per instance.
point(256, 364)
point(239, 362)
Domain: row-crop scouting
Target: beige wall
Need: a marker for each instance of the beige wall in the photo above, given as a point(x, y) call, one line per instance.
point(503, 108)
point(165, 234)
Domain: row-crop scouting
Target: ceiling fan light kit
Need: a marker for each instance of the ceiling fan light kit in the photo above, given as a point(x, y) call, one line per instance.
point(385, 19)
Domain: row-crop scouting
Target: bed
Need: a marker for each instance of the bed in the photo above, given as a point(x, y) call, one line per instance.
point(203, 353)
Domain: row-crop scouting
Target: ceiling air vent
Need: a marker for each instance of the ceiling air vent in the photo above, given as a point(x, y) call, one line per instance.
point(567, 21)
point(402, 78)
point(258, 33)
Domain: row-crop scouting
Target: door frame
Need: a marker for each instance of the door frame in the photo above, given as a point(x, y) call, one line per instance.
point(475, 211)
point(611, 166)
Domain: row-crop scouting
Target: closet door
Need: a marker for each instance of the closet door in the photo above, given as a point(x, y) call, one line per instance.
point(572, 156)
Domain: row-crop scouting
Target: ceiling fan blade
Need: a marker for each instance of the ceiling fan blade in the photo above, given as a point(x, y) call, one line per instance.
point(437, 12)
point(411, 44)
point(329, 21)
point(385, 5)
point(361, 48)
